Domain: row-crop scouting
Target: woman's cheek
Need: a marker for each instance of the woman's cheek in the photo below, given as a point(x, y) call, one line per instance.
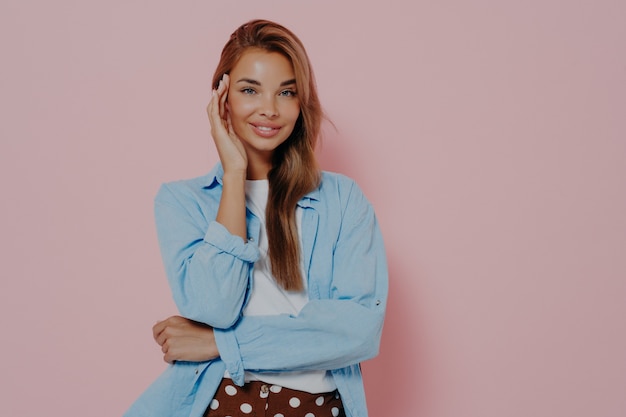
point(291, 111)
point(234, 110)
point(241, 108)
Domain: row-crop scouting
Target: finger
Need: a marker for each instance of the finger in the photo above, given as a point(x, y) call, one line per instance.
point(171, 331)
point(218, 104)
point(163, 337)
point(224, 95)
point(172, 354)
point(177, 320)
point(213, 111)
point(229, 123)
point(158, 328)
point(209, 105)
point(162, 329)
point(161, 325)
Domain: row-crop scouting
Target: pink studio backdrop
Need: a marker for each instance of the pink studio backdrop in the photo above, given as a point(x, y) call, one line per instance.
point(490, 136)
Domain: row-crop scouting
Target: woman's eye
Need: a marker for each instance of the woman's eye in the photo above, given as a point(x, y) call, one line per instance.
point(288, 93)
point(248, 90)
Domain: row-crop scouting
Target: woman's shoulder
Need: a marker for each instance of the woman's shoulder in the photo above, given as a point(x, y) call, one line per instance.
point(337, 179)
point(189, 188)
point(341, 185)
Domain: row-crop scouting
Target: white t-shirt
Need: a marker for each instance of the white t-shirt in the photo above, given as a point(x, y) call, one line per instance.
point(269, 298)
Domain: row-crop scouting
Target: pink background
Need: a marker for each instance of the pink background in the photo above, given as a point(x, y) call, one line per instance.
point(490, 136)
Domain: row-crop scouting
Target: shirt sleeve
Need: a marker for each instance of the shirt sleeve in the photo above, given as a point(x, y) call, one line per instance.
point(327, 334)
point(207, 267)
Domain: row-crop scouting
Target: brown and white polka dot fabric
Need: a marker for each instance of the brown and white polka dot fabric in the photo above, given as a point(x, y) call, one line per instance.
point(258, 399)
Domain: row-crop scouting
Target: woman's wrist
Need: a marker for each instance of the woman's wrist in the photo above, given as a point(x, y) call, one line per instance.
point(232, 209)
point(234, 177)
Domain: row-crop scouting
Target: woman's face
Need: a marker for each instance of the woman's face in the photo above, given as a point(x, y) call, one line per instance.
point(263, 101)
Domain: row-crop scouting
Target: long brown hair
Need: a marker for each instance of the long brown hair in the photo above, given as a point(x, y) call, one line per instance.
point(294, 170)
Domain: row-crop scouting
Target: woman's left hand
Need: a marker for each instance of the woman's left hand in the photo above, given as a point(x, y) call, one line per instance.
point(182, 339)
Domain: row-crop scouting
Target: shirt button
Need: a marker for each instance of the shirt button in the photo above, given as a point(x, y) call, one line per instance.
point(377, 302)
point(250, 239)
point(265, 389)
point(196, 372)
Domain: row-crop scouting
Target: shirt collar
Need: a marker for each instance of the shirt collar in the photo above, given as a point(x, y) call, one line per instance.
point(216, 175)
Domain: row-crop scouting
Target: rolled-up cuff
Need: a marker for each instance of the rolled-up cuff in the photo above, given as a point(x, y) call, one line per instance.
point(218, 236)
point(228, 347)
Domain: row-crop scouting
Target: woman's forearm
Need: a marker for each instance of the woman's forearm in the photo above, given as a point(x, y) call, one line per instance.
point(232, 209)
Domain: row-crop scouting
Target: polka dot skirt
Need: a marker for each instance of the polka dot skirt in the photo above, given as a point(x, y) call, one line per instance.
point(258, 399)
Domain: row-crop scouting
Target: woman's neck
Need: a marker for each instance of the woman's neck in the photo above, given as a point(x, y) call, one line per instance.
point(258, 168)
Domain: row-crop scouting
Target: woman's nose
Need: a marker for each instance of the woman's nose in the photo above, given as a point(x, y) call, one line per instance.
point(269, 107)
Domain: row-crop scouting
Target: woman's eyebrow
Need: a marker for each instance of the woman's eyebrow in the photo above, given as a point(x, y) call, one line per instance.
point(255, 82)
point(249, 81)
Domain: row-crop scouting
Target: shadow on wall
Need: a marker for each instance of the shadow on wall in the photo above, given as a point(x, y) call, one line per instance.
point(333, 153)
point(396, 381)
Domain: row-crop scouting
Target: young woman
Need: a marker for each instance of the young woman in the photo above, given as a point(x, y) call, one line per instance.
point(278, 269)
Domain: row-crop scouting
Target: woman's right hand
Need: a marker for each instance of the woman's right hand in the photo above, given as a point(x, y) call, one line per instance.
point(229, 147)
point(182, 339)
point(232, 210)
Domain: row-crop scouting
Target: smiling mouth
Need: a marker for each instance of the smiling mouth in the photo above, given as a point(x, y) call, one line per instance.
point(266, 128)
point(265, 131)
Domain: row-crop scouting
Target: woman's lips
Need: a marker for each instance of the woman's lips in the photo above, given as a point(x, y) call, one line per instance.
point(265, 130)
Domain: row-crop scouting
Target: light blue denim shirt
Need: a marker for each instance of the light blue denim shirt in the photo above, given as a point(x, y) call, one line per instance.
point(210, 273)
